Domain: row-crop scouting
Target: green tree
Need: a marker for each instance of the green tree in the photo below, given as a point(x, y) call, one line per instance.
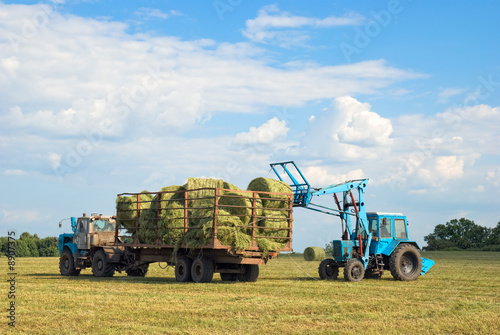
point(462, 233)
point(47, 247)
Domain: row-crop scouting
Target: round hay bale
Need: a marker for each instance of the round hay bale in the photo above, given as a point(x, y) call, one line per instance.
point(243, 211)
point(171, 223)
point(274, 219)
point(271, 185)
point(314, 254)
point(126, 209)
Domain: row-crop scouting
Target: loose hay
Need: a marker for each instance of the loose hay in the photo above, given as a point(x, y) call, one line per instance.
point(314, 254)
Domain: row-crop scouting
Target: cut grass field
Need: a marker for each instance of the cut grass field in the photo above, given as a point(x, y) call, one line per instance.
point(460, 295)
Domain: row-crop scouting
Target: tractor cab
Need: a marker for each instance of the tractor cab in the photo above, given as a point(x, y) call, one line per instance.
point(387, 229)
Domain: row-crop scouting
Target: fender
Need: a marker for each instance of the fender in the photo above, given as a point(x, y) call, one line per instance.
point(394, 244)
point(73, 247)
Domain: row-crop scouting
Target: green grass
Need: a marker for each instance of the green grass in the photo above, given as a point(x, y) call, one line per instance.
point(460, 295)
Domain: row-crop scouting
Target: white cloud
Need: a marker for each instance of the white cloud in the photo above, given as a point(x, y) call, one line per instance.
point(155, 13)
point(449, 167)
point(76, 73)
point(14, 172)
point(269, 132)
point(447, 93)
point(275, 26)
point(54, 159)
point(347, 131)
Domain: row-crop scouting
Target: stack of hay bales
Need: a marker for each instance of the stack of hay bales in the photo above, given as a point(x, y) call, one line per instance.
point(162, 216)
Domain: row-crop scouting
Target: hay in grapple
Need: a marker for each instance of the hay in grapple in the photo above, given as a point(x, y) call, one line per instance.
point(314, 254)
point(262, 185)
point(126, 209)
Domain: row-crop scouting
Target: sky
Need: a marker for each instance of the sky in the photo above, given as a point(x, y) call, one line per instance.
point(105, 97)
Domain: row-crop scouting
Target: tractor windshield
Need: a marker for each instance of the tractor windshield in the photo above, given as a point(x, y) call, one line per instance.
point(103, 225)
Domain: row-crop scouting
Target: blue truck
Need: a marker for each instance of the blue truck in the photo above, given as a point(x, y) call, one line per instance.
point(371, 242)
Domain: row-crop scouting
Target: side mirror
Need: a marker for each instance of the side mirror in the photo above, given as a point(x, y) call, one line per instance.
point(60, 224)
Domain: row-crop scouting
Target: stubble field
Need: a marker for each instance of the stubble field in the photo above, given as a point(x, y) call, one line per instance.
point(460, 295)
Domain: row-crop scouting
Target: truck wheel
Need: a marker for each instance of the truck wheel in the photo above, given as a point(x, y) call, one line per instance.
point(405, 262)
point(250, 273)
point(328, 269)
point(139, 271)
point(67, 264)
point(183, 270)
point(229, 276)
point(354, 270)
point(202, 270)
point(100, 265)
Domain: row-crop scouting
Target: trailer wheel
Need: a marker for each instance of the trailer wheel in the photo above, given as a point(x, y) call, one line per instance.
point(101, 266)
point(202, 270)
point(67, 264)
point(328, 269)
point(354, 270)
point(229, 276)
point(139, 271)
point(250, 273)
point(405, 262)
point(183, 270)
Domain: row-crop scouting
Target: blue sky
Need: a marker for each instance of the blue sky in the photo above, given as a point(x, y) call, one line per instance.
point(105, 97)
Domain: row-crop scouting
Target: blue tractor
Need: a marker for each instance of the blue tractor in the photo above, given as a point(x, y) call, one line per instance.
point(371, 241)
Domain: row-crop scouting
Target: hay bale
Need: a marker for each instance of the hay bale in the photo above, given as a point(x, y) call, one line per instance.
point(148, 226)
point(171, 223)
point(314, 254)
point(169, 195)
point(274, 219)
point(271, 185)
point(126, 209)
point(267, 245)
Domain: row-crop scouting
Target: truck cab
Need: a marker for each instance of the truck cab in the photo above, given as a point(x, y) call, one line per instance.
point(90, 233)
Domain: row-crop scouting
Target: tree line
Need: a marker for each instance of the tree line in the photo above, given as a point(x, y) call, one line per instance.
point(463, 234)
point(28, 245)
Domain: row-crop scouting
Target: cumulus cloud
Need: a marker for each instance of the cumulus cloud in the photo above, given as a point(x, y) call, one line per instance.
point(269, 132)
point(280, 27)
point(348, 130)
point(73, 73)
point(449, 167)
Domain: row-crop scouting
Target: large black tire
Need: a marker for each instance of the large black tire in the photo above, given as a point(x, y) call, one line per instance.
point(67, 264)
point(183, 269)
point(140, 271)
point(250, 273)
point(229, 276)
point(101, 267)
point(202, 270)
point(328, 269)
point(405, 262)
point(354, 270)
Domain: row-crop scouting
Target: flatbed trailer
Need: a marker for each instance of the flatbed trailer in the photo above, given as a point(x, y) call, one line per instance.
point(123, 250)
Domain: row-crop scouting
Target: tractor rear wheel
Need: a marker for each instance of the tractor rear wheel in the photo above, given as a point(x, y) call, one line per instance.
point(354, 270)
point(250, 273)
point(328, 269)
point(405, 262)
point(101, 267)
point(138, 271)
point(202, 270)
point(183, 269)
point(67, 264)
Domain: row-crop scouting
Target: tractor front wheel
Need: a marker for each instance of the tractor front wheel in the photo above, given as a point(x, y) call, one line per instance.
point(67, 264)
point(405, 262)
point(328, 269)
point(354, 270)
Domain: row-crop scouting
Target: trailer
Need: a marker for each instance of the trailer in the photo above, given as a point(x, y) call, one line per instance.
point(110, 243)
